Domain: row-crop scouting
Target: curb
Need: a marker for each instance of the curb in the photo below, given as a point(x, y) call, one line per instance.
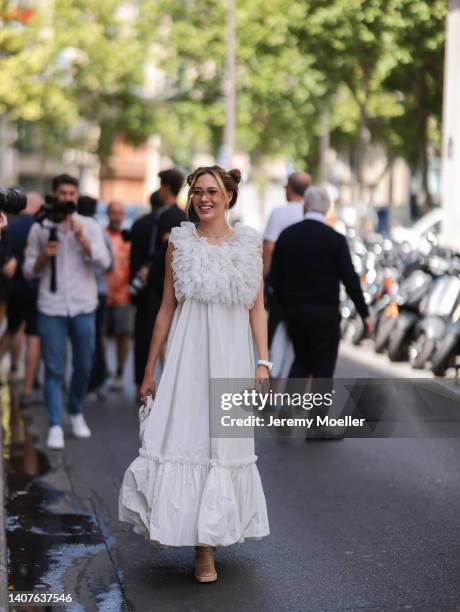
point(3, 563)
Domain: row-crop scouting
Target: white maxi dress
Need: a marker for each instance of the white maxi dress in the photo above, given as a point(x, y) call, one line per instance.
point(186, 488)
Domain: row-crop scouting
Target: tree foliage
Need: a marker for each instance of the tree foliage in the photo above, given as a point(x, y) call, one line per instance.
point(84, 71)
point(75, 70)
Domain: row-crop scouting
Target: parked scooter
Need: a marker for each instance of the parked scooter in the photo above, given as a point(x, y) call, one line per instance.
point(381, 310)
point(379, 270)
point(407, 310)
point(349, 316)
point(403, 297)
point(439, 308)
point(447, 349)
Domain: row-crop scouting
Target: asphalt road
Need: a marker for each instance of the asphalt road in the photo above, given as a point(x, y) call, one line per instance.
point(356, 524)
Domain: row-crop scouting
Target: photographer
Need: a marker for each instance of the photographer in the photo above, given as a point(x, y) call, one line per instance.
point(63, 250)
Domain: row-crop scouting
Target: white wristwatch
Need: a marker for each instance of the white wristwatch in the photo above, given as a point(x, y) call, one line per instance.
point(267, 364)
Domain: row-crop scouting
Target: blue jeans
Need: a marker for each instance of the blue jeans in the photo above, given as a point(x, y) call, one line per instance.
point(53, 331)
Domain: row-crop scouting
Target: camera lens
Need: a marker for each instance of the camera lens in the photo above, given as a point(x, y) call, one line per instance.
point(12, 201)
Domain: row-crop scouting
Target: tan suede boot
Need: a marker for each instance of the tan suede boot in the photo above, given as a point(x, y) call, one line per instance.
point(205, 570)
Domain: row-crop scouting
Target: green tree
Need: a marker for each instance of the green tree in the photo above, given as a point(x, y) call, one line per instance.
point(84, 72)
point(26, 52)
point(100, 59)
point(75, 75)
point(353, 50)
point(275, 79)
point(417, 77)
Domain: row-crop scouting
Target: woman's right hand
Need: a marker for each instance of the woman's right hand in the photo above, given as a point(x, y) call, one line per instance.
point(147, 387)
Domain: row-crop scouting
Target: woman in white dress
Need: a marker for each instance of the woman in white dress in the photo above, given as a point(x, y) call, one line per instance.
point(187, 488)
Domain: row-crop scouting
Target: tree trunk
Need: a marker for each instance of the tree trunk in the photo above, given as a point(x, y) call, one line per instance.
point(323, 148)
point(44, 156)
point(311, 160)
point(390, 180)
point(423, 160)
point(360, 155)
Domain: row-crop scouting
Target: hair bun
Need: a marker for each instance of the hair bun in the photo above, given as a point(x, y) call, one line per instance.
point(235, 174)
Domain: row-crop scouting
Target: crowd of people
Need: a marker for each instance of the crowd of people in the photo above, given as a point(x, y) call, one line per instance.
point(188, 277)
point(65, 277)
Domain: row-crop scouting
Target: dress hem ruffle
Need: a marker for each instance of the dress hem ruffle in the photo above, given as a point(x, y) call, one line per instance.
point(172, 501)
point(205, 462)
point(162, 546)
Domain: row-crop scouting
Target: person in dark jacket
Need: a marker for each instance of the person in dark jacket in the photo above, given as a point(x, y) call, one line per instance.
point(149, 241)
point(309, 262)
point(21, 298)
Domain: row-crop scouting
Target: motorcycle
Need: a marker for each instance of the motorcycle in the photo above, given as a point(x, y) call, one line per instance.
point(437, 313)
point(447, 349)
point(349, 316)
point(404, 313)
point(379, 270)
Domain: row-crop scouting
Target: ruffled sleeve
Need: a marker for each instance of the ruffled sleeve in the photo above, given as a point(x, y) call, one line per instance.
point(249, 264)
point(181, 234)
point(182, 264)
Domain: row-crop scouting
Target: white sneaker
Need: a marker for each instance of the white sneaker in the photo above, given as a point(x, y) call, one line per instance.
point(79, 427)
point(117, 384)
point(55, 438)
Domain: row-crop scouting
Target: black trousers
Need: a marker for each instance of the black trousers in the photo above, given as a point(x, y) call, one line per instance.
point(99, 369)
point(275, 316)
point(315, 338)
point(146, 312)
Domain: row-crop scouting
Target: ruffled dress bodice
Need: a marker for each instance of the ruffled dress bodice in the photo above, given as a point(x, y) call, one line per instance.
point(228, 274)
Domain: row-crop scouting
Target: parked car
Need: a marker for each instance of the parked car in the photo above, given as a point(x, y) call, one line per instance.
point(412, 237)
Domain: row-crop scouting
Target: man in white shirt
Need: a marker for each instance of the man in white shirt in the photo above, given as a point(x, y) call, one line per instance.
point(280, 218)
point(67, 301)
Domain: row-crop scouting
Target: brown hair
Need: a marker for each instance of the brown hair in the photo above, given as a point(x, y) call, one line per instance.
point(173, 178)
point(227, 181)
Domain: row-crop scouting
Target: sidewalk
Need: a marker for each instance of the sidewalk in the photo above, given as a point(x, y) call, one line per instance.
point(3, 564)
point(67, 552)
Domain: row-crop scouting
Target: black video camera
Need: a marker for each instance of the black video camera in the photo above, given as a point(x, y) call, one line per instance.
point(12, 201)
point(54, 210)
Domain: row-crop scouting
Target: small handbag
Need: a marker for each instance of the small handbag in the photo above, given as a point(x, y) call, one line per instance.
point(144, 411)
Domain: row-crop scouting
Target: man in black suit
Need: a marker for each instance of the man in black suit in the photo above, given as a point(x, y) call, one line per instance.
point(309, 262)
point(149, 241)
point(141, 233)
